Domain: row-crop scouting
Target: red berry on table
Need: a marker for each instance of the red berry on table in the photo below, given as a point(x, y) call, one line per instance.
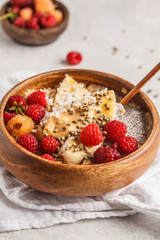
point(37, 97)
point(115, 130)
point(19, 22)
point(49, 145)
point(15, 9)
point(21, 3)
point(29, 142)
point(74, 58)
point(105, 154)
point(36, 112)
point(48, 157)
point(48, 21)
point(91, 135)
point(7, 116)
point(19, 100)
point(128, 144)
point(33, 24)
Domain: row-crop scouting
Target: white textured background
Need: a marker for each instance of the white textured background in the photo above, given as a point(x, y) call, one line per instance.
point(133, 27)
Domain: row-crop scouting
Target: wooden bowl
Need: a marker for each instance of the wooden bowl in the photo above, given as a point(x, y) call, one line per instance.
point(35, 37)
point(77, 180)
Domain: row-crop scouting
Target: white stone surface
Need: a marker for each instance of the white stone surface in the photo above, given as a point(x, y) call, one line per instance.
point(95, 28)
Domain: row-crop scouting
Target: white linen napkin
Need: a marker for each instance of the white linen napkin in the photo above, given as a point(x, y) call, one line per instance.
point(22, 207)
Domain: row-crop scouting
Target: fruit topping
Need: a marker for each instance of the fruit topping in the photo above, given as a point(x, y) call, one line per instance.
point(74, 58)
point(29, 142)
point(48, 157)
point(36, 112)
point(106, 154)
point(7, 116)
point(91, 135)
point(19, 125)
point(17, 100)
point(49, 145)
point(37, 97)
point(48, 21)
point(128, 144)
point(115, 130)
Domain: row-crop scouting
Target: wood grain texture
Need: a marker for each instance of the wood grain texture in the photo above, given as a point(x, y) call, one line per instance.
point(36, 37)
point(78, 180)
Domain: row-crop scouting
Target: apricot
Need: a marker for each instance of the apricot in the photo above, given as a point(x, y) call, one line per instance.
point(26, 13)
point(58, 15)
point(19, 125)
point(44, 6)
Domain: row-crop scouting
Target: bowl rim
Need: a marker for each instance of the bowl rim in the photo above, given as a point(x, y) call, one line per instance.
point(63, 23)
point(138, 152)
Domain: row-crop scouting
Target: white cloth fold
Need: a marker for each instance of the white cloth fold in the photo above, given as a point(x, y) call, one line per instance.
point(22, 207)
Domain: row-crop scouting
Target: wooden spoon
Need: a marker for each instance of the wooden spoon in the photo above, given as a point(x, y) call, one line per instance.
point(136, 89)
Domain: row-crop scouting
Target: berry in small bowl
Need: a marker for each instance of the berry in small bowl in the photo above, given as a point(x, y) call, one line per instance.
point(34, 22)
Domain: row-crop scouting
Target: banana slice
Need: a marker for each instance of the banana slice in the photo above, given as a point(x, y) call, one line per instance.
point(107, 105)
point(70, 157)
point(73, 157)
point(69, 90)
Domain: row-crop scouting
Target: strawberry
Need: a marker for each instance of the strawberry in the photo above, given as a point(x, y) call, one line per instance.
point(115, 130)
point(37, 97)
point(48, 157)
point(106, 154)
point(7, 116)
point(91, 135)
point(49, 145)
point(36, 112)
point(29, 142)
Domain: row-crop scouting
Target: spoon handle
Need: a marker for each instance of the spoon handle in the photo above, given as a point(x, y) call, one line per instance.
point(136, 89)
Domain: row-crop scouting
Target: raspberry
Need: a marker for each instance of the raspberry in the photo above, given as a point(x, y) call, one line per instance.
point(48, 157)
point(37, 97)
point(18, 99)
point(74, 58)
point(15, 9)
point(49, 145)
point(36, 112)
point(106, 154)
point(21, 3)
point(38, 15)
point(33, 24)
point(19, 22)
point(48, 21)
point(116, 146)
point(29, 142)
point(7, 116)
point(19, 125)
point(128, 144)
point(115, 130)
point(91, 135)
